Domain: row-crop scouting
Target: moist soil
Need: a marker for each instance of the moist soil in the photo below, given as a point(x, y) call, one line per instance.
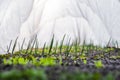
point(73, 64)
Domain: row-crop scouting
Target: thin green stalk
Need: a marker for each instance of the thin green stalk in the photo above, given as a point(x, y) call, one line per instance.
point(22, 44)
point(28, 47)
point(36, 46)
point(108, 44)
point(32, 45)
point(51, 44)
point(43, 50)
point(76, 46)
point(8, 50)
point(83, 46)
point(14, 46)
point(61, 45)
point(56, 47)
point(67, 51)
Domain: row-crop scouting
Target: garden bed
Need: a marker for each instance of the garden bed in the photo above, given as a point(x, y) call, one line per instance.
point(66, 63)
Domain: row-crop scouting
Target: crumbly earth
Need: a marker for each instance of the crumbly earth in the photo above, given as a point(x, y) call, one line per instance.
point(72, 63)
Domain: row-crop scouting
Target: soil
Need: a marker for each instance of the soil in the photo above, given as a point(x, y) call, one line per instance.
point(73, 64)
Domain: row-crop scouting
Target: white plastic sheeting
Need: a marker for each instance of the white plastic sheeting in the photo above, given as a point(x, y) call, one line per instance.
point(95, 21)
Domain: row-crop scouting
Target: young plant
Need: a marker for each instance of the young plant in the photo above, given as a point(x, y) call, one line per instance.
point(8, 48)
point(68, 48)
point(43, 50)
point(85, 61)
point(83, 56)
point(61, 45)
point(49, 61)
point(36, 46)
point(33, 44)
point(51, 44)
point(98, 64)
point(22, 61)
point(34, 61)
point(76, 46)
point(14, 46)
point(28, 46)
point(6, 62)
point(60, 59)
point(56, 47)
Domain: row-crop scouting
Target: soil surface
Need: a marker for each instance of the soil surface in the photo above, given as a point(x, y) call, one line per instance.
point(73, 64)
